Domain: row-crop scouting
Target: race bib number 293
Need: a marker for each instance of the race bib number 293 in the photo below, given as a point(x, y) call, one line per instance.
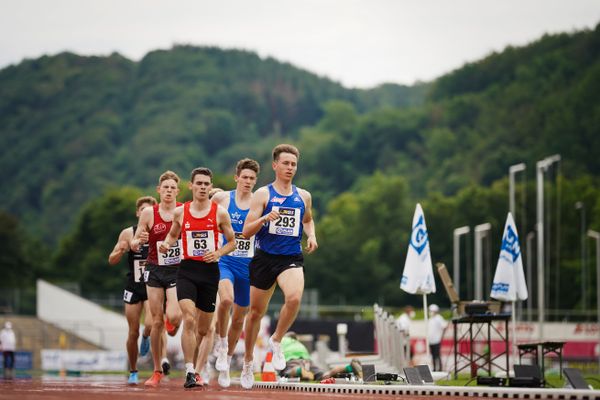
point(288, 223)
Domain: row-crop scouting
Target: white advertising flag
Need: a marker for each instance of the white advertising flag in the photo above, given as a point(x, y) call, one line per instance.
point(509, 280)
point(417, 277)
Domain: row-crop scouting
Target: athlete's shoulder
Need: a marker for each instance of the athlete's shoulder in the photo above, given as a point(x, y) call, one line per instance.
point(126, 233)
point(146, 216)
point(305, 194)
point(221, 197)
point(261, 192)
point(179, 209)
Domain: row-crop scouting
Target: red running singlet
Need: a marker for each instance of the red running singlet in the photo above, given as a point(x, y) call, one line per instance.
point(199, 235)
point(158, 233)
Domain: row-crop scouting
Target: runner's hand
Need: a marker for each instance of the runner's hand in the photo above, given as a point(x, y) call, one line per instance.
point(272, 216)
point(144, 236)
point(311, 244)
point(211, 257)
point(164, 246)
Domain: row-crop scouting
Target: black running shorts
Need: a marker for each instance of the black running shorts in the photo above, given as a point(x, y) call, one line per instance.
point(160, 276)
point(265, 267)
point(134, 292)
point(198, 281)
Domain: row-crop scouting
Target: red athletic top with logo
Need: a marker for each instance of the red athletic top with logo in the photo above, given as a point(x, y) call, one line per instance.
point(199, 235)
point(159, 231)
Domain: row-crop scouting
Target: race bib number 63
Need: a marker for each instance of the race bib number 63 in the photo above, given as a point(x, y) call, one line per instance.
point(199, 243)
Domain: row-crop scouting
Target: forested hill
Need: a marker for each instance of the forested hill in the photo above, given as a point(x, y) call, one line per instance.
point(71, 126)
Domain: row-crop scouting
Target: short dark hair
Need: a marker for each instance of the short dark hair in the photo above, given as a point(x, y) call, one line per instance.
point(247, 163)
point(201, 171)
point(145, 199)
point(285, 148)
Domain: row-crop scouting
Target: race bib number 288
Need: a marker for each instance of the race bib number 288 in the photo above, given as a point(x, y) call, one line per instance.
point(244, 247)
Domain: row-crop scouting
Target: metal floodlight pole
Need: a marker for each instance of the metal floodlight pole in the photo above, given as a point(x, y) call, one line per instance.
point(512, 171)
point(596, 236)
point(580, 206)
point(458, 232)
point(480, 232)
point(530, 237)
point(541, 167)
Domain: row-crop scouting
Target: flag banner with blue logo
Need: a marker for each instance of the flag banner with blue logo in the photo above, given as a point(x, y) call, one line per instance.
point(509, 280)
point(417, 277)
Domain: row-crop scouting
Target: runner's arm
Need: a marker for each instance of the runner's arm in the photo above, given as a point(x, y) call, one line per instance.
point(121, 247)
point(224, 223)
point(255, 219)
point(143, 227)
point(175, 231)
point(309, 223)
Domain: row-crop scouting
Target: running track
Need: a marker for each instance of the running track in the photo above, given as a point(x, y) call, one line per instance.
point(113, 387)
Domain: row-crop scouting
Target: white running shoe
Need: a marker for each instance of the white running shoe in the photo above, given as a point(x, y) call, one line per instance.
point(247, 377)
point(221, 364)
point(205, 374)
point(224, 379)
point(278, 357)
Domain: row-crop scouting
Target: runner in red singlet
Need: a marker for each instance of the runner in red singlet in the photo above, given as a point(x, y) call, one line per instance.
point(161, 269)
point(198, 223)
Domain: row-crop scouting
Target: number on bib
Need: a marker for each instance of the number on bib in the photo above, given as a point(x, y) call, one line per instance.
point(200, 242)
point(172, 256)
point(288, 223)
point(244, 247)
point(139, 267)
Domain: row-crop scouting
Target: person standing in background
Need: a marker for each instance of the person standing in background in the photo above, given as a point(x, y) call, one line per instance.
point(8, 344)
point(435, 331)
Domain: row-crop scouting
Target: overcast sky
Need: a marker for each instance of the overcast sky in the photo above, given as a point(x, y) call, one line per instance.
point(358, 43)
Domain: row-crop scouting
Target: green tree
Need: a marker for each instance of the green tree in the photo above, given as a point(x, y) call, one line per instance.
point(82, 255)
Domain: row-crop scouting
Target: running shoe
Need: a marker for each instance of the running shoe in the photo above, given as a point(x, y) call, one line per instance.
point(357, 368)
point(224, 379)
point(221, 364)
point(166, 367)
point(154, 380)
point(328, 381)
point(278, 357)
point(247, 377)
point(133, 378)
point(199, 380)
point(144, 345)
point(205, 375)
point(171, 329)
point(190, 380)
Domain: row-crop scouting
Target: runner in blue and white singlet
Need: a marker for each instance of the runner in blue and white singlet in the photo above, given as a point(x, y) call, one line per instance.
point(283, 236)
point(234, 286)
point(279, 214)
point(235, 265)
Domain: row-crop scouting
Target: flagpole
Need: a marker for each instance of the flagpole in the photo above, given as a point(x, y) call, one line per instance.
point(514, 335)
point(426, 326)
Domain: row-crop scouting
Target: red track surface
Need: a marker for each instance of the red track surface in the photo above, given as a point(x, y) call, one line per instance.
point(115, 388)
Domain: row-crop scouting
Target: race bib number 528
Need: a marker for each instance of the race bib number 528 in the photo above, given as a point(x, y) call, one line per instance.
point(172, 256)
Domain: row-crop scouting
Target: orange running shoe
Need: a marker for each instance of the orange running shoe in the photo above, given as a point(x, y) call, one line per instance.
point(154, 380)
point(171, 330)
